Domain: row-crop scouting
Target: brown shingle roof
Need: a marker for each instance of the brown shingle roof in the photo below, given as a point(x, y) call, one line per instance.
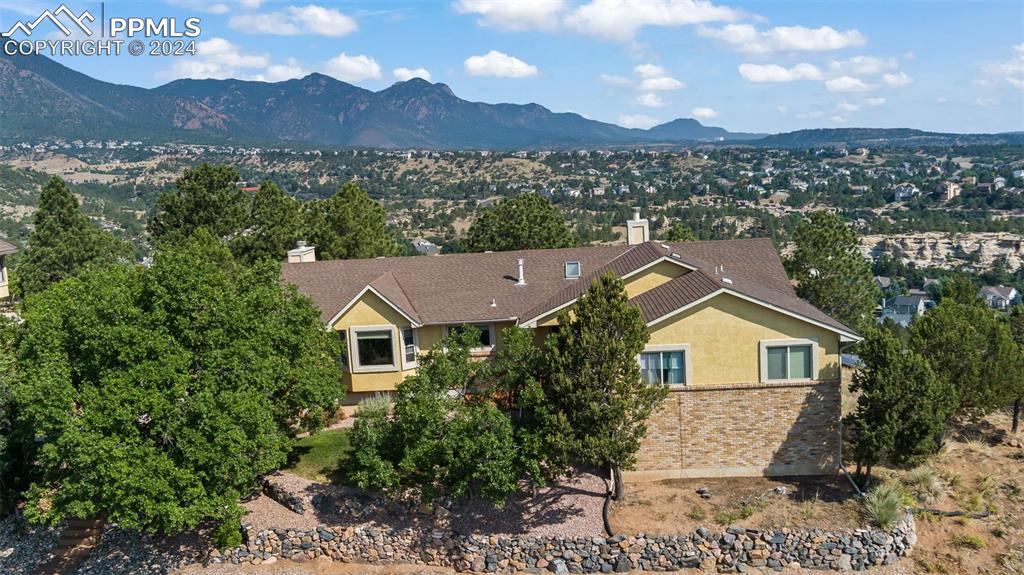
point(6, 248)
point(482, 287)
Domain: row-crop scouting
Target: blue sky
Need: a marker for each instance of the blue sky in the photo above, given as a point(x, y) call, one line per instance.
point(746, 66)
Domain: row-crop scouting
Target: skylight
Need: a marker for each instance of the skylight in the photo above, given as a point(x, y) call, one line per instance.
point(572, 270)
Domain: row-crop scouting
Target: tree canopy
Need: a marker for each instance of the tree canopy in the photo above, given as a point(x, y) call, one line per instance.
point(203, 197)
point(160, 394)
point(523, 222)
point(349, 225)
point(831, 272)
point(64, 242)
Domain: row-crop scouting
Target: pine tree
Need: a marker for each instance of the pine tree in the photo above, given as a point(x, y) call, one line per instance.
point(524, 222)
point(64, 242)
point(203, 197)
point(349, 225)
point(1016, 384)
point(831, 272)
point(275, 224)
point(902, 407)
point(594, 380)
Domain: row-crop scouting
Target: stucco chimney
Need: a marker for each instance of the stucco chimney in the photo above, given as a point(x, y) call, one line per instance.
point(638, 230)
point(520, 278)
point(302, 253)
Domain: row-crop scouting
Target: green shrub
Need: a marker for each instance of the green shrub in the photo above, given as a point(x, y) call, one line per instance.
point(227, 535)
point(884, 505)
point(974, 542)
point(924, 484)
point(375, 406)
point(697, 513)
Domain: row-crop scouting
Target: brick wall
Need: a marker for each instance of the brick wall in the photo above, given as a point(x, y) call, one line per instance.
point(742, 430)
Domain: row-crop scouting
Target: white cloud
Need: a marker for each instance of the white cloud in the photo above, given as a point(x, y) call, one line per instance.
point(619, 20)
point(703, 113)
point(847, 84)
point(782, 109)
point(514, 14)
point(875, 102)
point(498, 64)
point(649, 71)
point(614, 80)
point(651, 101)
point(404, 74)
point(864, 65)
point(661, 84)
point(295, 20)
point(985, 102)
point(845, 106)
point(638, 121)
point(760, 73)
point(838, 119)
point(895, 80)
point(809, 115)
point(1012, 70)
point(217, 58)
point(747, 38)
point(279, 72)
point(352, 68)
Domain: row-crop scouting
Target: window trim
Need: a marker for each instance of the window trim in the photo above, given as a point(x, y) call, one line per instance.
point(687, 361)
point(579, 270)
point(396, 351)
point(787, 343)
point(491, 334)
point(415, 363)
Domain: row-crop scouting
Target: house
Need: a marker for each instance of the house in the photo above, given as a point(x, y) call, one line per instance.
point(905, 191)
point(753, 370)
point(903, 309)
point(948, 190)
point(999, 297)
point(425, 247)
point(883, 282)
point(6, 249)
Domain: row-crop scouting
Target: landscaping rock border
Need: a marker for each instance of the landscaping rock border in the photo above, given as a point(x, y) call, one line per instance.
point(733, 550)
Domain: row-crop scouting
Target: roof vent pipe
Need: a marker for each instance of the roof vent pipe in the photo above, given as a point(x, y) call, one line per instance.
point(521, 278)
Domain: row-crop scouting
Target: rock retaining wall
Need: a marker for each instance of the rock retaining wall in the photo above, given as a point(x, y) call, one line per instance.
point(734, 550)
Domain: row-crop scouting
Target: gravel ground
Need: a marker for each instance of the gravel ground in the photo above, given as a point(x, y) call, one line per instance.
point(571, 508)
point(20, 551)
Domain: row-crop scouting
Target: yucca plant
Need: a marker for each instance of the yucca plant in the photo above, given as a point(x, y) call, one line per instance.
point(883, 505)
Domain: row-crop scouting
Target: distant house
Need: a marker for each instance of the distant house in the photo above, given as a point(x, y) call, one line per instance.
point(948, 190)
point(6, 249)
point(426, 247)
point(905, 191)
point(883, 282)
point(903, 309)
point(859, 190)
point(999, 297)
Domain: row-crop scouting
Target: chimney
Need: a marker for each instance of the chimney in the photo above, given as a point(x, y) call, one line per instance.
point(638, 230)
point(520, 278)
point(302, 253)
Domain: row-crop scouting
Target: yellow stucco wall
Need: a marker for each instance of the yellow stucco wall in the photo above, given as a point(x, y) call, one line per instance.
point(724, 334)
point(653, 277)
point(371, 310)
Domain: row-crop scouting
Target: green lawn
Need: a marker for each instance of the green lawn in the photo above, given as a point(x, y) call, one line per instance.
point(321, 456)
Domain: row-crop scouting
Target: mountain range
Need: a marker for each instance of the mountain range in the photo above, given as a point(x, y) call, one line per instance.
point(41, 99)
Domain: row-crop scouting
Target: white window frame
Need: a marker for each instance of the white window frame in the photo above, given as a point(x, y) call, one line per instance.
point(579, 270)
point(771, 343)
point(415, 363)
point(489, 327)
point(687, 361)
point(396, 350)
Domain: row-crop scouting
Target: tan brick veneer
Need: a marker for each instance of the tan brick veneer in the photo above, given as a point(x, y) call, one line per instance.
point(742, 430)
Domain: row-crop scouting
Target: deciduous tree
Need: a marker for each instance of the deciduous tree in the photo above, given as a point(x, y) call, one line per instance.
point(831, 272)
point(159, 395)
point(64, 242)
point(594, 380)
point(523, 222)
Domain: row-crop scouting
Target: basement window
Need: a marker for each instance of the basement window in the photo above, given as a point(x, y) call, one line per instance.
point(572, 270)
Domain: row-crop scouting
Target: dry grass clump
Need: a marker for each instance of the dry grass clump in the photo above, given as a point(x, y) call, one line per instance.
point(925, 484)
point(883, 505)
